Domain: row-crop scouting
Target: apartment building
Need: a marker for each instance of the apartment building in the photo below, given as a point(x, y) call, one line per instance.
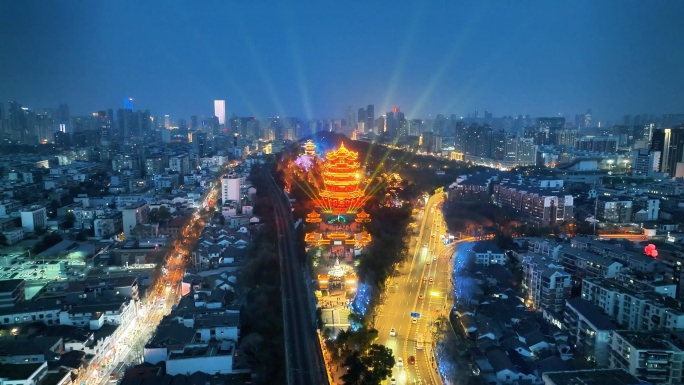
point(614, 210)
point(180, 164)
point(656, 283)
point(95, 315)
point(133, 215)
point(651, 357)
point(635, 260)
point(33, 217)
point(108, 224)
point(544, 206)
point(545, 247)
point(584, 264)
point(589, 330)
point(8, 206)
point(545, 283)
point(12, 292)
point(487, 253)
point(634, 310)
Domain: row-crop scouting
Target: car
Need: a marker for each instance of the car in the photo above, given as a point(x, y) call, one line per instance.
point(424, 279)
point(400, 361)
point(424, 244)
point(412, 360)
point(420, 296)
point(414, 320)
point(428, 262)
point(432, 280)
point(393, 332)
point(434, 258)
point(393, 382)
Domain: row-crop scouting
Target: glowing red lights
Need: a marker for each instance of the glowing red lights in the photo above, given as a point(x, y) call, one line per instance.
point(651, 250)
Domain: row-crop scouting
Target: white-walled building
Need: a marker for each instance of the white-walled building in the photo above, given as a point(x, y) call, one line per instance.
point(230, 188)
point(212, 358)
point(589, 330)
point(651, 357)
point(95, 315)
point(486, 253)
point(33, 217)
point(545, 283)
point(634, 310)
point(14, 235)
point(133, 215)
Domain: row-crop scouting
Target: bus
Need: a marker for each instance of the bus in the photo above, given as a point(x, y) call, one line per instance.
point(419, 342)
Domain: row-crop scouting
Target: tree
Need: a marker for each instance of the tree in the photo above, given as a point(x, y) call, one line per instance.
point(381, 361)
point(158, 215)
point(82, 235)
point(69, 220)
point(355, 369)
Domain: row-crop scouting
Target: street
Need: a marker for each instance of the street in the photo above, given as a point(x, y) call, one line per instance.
point(128, 347)
point(421, 285)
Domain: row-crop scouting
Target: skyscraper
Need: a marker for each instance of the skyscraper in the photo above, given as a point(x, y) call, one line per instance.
point(670, 143)
point(220, 111)
point(199, 141)
point(128, 104)
point(370, 118)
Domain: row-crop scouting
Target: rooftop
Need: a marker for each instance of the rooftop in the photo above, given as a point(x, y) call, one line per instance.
point(650, 340)
point(591, 312)
point(483, 247)
point(14, 372)
point(593, 377)
point(8, 286)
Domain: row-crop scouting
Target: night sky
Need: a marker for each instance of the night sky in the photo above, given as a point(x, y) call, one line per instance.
point(315, 58)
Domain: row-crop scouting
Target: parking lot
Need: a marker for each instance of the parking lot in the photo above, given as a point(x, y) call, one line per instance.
point(38, 270)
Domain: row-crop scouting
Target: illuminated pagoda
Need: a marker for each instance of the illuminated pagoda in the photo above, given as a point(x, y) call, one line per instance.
point(309, 148)
point(338, 224)
point(341, 177)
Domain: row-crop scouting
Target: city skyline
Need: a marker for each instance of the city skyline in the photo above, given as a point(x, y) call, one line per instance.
point(507, 59)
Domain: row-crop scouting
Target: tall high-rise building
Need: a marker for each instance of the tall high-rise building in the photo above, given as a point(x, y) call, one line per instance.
point(370, 117)
point(478, 141)
point(545, 128)
point(167, 122)
point(128, 104)
point(199, 141)
point(193, 122)
point(17, 121)
point(645, 162)
point(395, 124)
point(3, 118)
point(230, 189)
point(351, 118)
point(439, 125)
point(220, 111)
point(361, 116)
point(670, 143)
point(498, 147)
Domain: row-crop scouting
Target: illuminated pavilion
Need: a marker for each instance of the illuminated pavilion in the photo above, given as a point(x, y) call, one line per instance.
point(341, 177)
point(339, 221)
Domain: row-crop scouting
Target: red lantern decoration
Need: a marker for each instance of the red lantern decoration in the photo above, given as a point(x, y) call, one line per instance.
point(651, 251)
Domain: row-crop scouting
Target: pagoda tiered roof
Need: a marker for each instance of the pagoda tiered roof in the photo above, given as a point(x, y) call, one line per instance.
point(313, 217)
point(363, 216)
